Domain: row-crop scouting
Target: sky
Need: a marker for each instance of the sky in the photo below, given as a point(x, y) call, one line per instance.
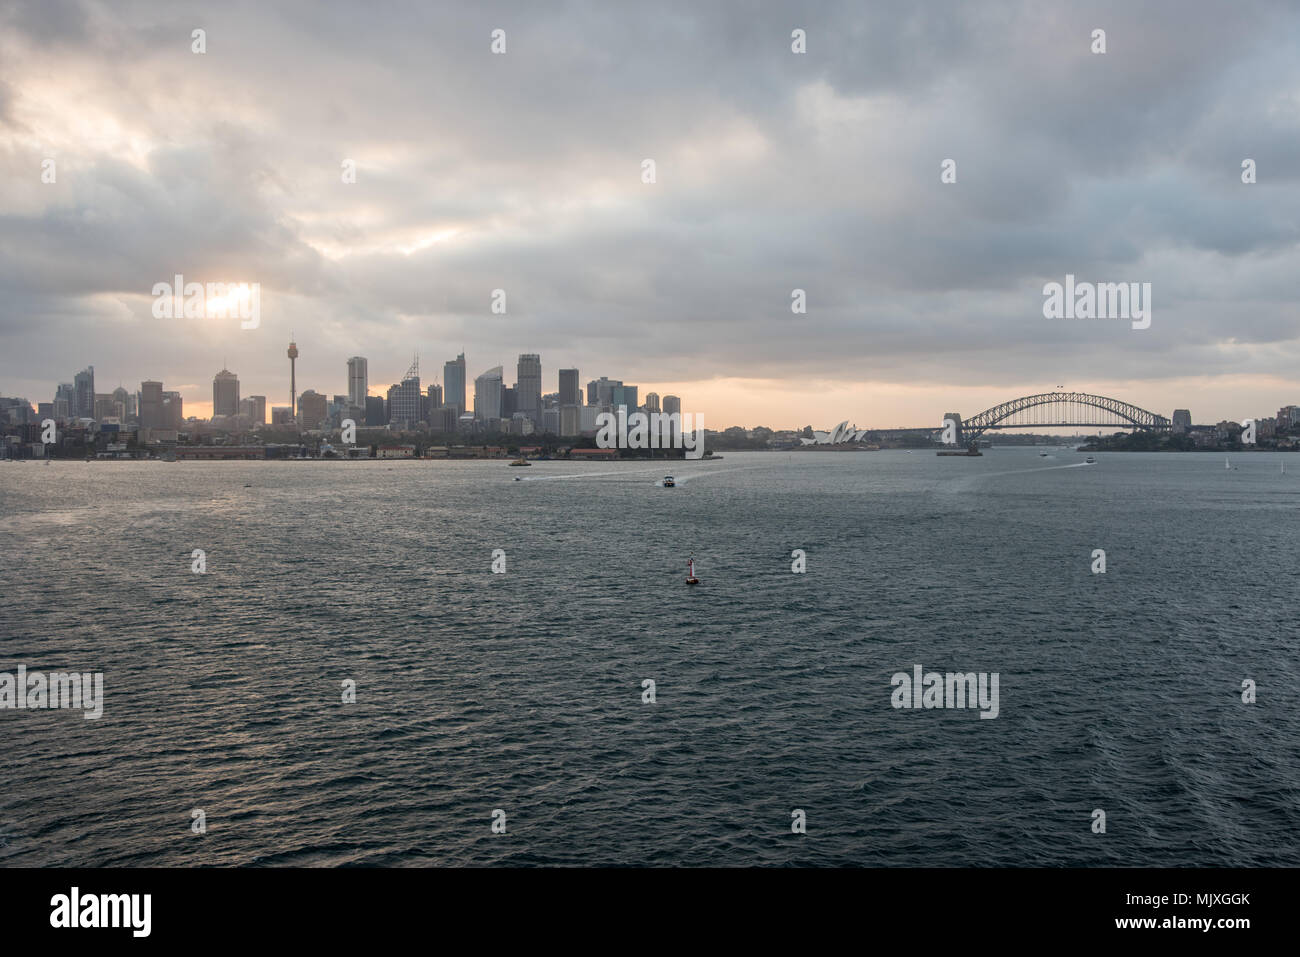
point(523, 171)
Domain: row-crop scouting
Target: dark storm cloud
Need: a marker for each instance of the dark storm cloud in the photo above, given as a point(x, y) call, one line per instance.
point(775, 171)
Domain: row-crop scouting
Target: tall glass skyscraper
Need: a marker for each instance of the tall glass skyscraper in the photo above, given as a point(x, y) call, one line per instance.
point(528, 387)
point(358, 382)
point(151, 405)
point(570, 391)
point(404, 405)
point(453, 384)
point(624, 395)
point(225, 393)
point(84, 384)
point(487, 394)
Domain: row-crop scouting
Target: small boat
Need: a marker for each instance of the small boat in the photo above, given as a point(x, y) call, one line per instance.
point(690, 573)
point(521, 461)
point(1226, 466)
point(668, 482)
point(1042, 455)
point(1090, 460)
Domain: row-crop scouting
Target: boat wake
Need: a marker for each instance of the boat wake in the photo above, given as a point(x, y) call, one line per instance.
point(1046, 468)
point(584, 475)
point(683, 479)
point(964, 482)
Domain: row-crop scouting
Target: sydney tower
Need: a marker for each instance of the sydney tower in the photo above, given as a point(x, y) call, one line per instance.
point(293, 382)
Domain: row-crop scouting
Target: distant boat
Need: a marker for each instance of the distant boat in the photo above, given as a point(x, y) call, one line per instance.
point(521, 461)
point(668, 482)
point(1042, 455)
point(1090, 460)
point(1226, 466)
point(690, 573)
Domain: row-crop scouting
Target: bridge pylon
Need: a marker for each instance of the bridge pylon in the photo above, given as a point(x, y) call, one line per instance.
point(956, 418)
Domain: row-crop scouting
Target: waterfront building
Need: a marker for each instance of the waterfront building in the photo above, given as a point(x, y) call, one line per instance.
point(312, 411)
point(225, 393)
point(443, 419)
point(570, 419)
point(521, 424)
point(551, 420)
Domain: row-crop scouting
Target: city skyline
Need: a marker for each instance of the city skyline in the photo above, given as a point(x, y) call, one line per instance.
point(81, 391)
point(406, 401)
point(458, 233)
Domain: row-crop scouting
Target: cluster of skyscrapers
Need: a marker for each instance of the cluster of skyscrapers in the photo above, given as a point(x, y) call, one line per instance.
point(521, 408)
point(152, 407)
point(487, 405)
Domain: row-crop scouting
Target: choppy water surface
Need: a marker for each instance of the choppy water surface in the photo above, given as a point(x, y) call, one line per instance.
point(522, 691)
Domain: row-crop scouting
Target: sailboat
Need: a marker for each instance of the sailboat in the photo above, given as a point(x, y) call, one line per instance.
point(1226, 466)
point(690, 573)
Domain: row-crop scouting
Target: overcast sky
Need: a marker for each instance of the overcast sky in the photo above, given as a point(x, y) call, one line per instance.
point(775, 171)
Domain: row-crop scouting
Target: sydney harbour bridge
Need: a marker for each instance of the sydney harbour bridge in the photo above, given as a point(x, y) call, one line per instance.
point(1045, 410)
point(1057, 410)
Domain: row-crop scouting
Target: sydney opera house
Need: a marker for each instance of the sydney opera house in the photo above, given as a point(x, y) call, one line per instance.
point(839, 435)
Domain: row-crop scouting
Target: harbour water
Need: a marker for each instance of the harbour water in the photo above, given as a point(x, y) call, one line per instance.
point(523, 691)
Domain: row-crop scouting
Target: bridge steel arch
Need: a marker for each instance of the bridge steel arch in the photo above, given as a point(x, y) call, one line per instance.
point(1068, 409)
